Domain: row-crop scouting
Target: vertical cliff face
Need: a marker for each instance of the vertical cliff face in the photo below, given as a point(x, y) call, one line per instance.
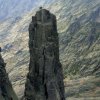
point(45, 78)
point(6, 91)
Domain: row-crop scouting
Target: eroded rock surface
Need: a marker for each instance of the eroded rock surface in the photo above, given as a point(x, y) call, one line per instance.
point(45, 78)
point(6, 90)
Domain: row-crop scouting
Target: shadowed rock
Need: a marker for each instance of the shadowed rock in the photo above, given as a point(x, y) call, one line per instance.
point(45, 78)
point(6, 90)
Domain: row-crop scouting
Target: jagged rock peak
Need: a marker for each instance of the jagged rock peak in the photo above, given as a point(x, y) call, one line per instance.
point(45, 78)
point(6, 90)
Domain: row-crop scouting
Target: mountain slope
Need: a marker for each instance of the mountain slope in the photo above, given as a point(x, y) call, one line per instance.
point(15, 8)
point(79, 37)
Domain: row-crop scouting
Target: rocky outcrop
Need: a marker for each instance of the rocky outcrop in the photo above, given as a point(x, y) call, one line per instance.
point(6, 91)
point(45, 78)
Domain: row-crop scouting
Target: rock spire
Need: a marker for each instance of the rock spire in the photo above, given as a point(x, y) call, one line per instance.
point(45, 77)
point(6, 90)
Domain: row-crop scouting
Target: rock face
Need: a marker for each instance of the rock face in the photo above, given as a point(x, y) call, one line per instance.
point(45, 78)
point(6, 90)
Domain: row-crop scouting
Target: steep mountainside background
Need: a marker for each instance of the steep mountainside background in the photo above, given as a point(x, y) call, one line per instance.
point(79, 38)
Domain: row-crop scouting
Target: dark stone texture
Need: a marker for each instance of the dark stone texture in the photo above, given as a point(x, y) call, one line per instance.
point(45, 77)
point(6, 90)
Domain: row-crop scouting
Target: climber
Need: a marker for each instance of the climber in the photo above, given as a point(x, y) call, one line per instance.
point(41, 8)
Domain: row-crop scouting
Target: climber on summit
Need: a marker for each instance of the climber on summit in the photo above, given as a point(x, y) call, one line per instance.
point(41, 8)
